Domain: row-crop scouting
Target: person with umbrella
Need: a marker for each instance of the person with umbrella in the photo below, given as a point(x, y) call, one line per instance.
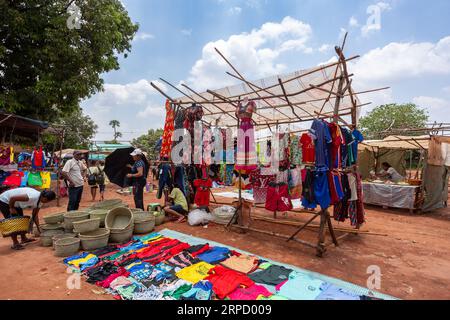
point(138, 177)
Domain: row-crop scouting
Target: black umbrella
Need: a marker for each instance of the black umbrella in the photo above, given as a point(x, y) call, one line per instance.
point(116, 165)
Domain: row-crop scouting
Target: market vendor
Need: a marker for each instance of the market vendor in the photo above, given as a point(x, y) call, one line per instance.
point(138, 176)
point(13, 202)
point(179, 207)
point(390, 173)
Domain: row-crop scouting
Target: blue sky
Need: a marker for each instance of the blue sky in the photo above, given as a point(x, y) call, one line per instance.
point(407, 48)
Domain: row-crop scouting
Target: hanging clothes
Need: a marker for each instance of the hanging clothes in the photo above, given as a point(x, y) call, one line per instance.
point(38, 159)
point(295, 151)
point(278, 198)
point(322, 138)
point(203, 192)
point(308, 196)
point(5, 155)
point(246, 157)
point(260, 184)
point(46, 180)
point(166, 146)
point(165, 179)
point(295, 183)
point(308, 149)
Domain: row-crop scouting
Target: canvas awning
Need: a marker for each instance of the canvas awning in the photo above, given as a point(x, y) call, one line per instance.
point(21, 126)
point(398, 143)
point(297, 96)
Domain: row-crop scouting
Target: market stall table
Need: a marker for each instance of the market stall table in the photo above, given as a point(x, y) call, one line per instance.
point(391, 195)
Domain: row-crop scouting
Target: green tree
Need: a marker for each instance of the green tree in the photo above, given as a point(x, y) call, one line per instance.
point(115, 124)
point(79, 130)
point(148, 141)
point(47, 67)
point(385, 118)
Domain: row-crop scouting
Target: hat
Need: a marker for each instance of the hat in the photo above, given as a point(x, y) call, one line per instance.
point(136, 152)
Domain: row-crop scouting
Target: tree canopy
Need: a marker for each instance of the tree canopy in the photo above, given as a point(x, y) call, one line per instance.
point(47, 68)
point(380, 120)
point(79, 130)
point(148, 141)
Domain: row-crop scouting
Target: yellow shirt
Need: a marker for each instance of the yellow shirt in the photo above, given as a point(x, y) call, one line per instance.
point(195, 273)
point(179, 198)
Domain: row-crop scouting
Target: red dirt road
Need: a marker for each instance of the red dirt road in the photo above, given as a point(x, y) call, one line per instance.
point(414, 257)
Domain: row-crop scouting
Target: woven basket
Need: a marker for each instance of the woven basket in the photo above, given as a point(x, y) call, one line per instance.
point(67, 247)
point(54, 218)
point(143, 227)
point(107, 203)
point(47, 237)
point(73, 216)
point(160, 217)
point(15, 225)
point(94, 240)
point(119, 219)
point(63, 236)
point(99, 214)
point(143, 216)
point(50, 227)
point(121, 236)
point(85, 226)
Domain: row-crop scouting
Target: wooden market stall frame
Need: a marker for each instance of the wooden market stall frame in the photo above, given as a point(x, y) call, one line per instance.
point(341, 87)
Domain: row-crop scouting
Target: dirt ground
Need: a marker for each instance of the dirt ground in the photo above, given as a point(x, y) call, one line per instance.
point(413, 257)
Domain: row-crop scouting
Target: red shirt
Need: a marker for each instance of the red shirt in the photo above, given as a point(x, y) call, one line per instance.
point(202, 194)
point(308, 149)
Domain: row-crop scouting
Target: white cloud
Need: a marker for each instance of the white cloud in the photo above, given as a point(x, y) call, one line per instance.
point(255, 53)
point(431, 102)
point(235, 11)
point(446, 89)
point(398, 61)
point(130, 93)
point(142, 36)
point(325, 48)
point(353, 22)
point(187, 32)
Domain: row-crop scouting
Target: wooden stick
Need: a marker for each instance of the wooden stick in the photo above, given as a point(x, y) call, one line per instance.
point(287, 99)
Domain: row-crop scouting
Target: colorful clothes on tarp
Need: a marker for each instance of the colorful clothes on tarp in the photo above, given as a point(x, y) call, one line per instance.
point(331, 292)
point(82, 261)
point(225, 281)
point(250, 294)
point(243, 263)
point(301, 287)
point(195, 273)
point(215, 255)
point(166, 146)
point(246, 158)
point(201, 291)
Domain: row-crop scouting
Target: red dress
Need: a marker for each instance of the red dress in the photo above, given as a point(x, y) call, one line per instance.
point(202, 194)
point(169, 128)
point(308, 149)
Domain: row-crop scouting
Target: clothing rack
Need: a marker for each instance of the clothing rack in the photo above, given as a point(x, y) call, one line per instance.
point(341, 89)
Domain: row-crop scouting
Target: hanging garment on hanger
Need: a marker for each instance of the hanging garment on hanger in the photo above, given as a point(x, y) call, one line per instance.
point(308, 149)
point(166, 146)
point(322, 139)
point(296, 151)
point(34, 179)
point(308, 196)
point(341, 209)
point(203, 192)
point(14, 179)
point(278, 198)
point(335, 147)
point(295, 183)
point(260, 184)
point(165, 179)
point(5, 155)
point(46, 180)
point(246, 158)
point(321, 189)
point(357, 139)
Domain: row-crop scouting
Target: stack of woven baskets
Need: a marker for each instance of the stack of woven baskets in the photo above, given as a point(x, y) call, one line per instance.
point(93, 228)
point(120, 223)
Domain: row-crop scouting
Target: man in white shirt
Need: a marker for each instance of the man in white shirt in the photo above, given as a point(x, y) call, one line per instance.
point(74, 172)
point(13, 202)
